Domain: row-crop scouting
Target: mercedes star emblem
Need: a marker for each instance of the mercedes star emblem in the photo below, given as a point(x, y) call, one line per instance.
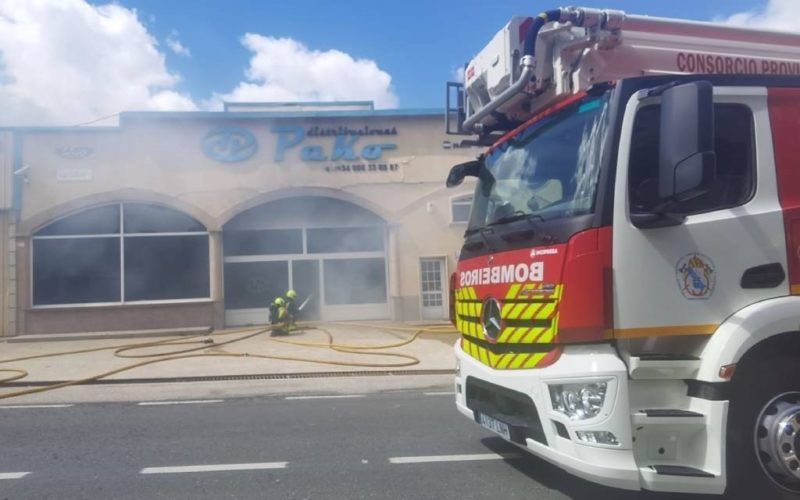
point(491, 320)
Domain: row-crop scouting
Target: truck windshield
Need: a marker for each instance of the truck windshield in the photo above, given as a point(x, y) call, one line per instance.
point(548, 171)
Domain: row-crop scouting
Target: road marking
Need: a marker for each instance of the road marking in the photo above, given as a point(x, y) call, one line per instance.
point(443, 393)
point(453, 458)
point(213, 468)
point(20, 407)
point(13, 475)
point(338, 396)
point(194, 402)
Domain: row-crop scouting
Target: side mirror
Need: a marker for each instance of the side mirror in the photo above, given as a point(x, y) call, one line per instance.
point(687, 162)
point(463, 170)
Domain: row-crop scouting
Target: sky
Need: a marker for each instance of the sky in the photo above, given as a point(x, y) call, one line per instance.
point(69, 62)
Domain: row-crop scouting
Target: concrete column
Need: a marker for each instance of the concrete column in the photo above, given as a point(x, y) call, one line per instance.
point(9, 323)
point(395, 299)
point(22, 253)
point(5, 292)
point(215, 258)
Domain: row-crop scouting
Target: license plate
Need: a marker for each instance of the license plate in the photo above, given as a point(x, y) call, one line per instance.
point(494, 425)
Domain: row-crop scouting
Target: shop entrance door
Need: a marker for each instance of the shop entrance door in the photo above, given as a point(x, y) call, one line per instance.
point(331, 252)
point(432, 290)
point(305, 281)
point(250, 287)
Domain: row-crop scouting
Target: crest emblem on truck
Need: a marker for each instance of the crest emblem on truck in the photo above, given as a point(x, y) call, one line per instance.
point(491, 320)
point(696, 275)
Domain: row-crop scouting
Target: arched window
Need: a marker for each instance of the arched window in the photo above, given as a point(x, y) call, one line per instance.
point(460, 207)
point(126, 252)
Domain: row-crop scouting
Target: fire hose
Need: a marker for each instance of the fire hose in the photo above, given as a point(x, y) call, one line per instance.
point(203, 342)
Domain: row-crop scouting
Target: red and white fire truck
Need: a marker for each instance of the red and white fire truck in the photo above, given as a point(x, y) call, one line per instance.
point(628, 291)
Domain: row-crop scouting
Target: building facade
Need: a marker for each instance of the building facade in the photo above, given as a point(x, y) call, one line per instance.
point(195, 219)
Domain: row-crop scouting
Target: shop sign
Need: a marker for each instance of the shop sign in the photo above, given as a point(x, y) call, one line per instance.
point(74, 174)
point(230, 144)
point(340, 143)
point(363, 168)
point(74, 152)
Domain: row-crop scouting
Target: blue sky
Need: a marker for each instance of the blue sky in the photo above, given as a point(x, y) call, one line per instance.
point(417, 42)
point(68, 62)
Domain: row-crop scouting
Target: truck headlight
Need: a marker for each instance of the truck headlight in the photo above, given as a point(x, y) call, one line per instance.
point(578, 401)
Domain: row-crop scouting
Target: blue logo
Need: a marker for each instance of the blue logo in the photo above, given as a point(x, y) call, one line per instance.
point(230, 144)
point(696, 275)
point(344, 146)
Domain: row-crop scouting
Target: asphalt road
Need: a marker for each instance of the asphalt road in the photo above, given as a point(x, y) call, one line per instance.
point(395, 445)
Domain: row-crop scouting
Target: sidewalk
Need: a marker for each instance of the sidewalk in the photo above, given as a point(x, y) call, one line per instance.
point(238, 358)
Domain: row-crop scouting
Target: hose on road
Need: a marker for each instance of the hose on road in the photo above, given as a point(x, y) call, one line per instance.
point(203, 342)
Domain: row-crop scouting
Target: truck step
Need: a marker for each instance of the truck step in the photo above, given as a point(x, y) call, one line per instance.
point(680, 479)
point(667, 412)
point(679, 470)
point(663, 366)
point(672, 417)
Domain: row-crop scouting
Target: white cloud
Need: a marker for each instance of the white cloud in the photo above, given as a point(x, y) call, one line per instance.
point(176, 46)
point(66, 61)
point(781, 15)
point(283, 69)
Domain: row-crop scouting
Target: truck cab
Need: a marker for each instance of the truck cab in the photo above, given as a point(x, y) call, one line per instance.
point(628, 291)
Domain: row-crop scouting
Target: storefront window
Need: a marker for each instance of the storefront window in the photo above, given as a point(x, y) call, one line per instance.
point(345, 239)
point(166, 267)
point(94, 221)
point(365, 279)
point(141, 218)
point(120, 253)
point(263, 242)
point(76, 270)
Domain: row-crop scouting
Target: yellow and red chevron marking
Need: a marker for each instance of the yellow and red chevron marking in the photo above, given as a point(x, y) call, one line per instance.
point(533, 302)
point(468, 313)
point(530, 303)
point(510, 361)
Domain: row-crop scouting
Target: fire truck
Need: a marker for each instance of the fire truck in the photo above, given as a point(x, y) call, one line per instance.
point(628, 290)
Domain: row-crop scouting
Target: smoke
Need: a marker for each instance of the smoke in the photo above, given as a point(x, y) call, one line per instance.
point(316, 234)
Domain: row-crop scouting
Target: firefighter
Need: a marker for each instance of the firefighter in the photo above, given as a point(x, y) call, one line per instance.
point(291, 306)
point(278, 317)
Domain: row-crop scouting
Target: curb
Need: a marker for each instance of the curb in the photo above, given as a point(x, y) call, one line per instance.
point(226, 378)
point(128, 334)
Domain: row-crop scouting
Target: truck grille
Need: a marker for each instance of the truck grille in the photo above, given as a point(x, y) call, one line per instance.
point(511, 407)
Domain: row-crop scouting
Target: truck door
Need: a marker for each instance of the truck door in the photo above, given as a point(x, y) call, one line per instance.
point(686, 279)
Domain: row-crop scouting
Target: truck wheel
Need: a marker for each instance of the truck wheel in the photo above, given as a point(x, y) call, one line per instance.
point(764, 432)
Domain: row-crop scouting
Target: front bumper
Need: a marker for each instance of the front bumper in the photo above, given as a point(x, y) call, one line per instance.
point(609, 465)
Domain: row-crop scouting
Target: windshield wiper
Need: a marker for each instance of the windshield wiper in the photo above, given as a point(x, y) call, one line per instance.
point(489, 228)
point(524, 234)
point(518, 215)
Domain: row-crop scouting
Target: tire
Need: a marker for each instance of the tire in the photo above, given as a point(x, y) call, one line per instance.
point(761, 385)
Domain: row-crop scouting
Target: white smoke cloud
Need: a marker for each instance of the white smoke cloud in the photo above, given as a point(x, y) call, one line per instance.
point(781, 15)
point(66, 61)
point(283, 69)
